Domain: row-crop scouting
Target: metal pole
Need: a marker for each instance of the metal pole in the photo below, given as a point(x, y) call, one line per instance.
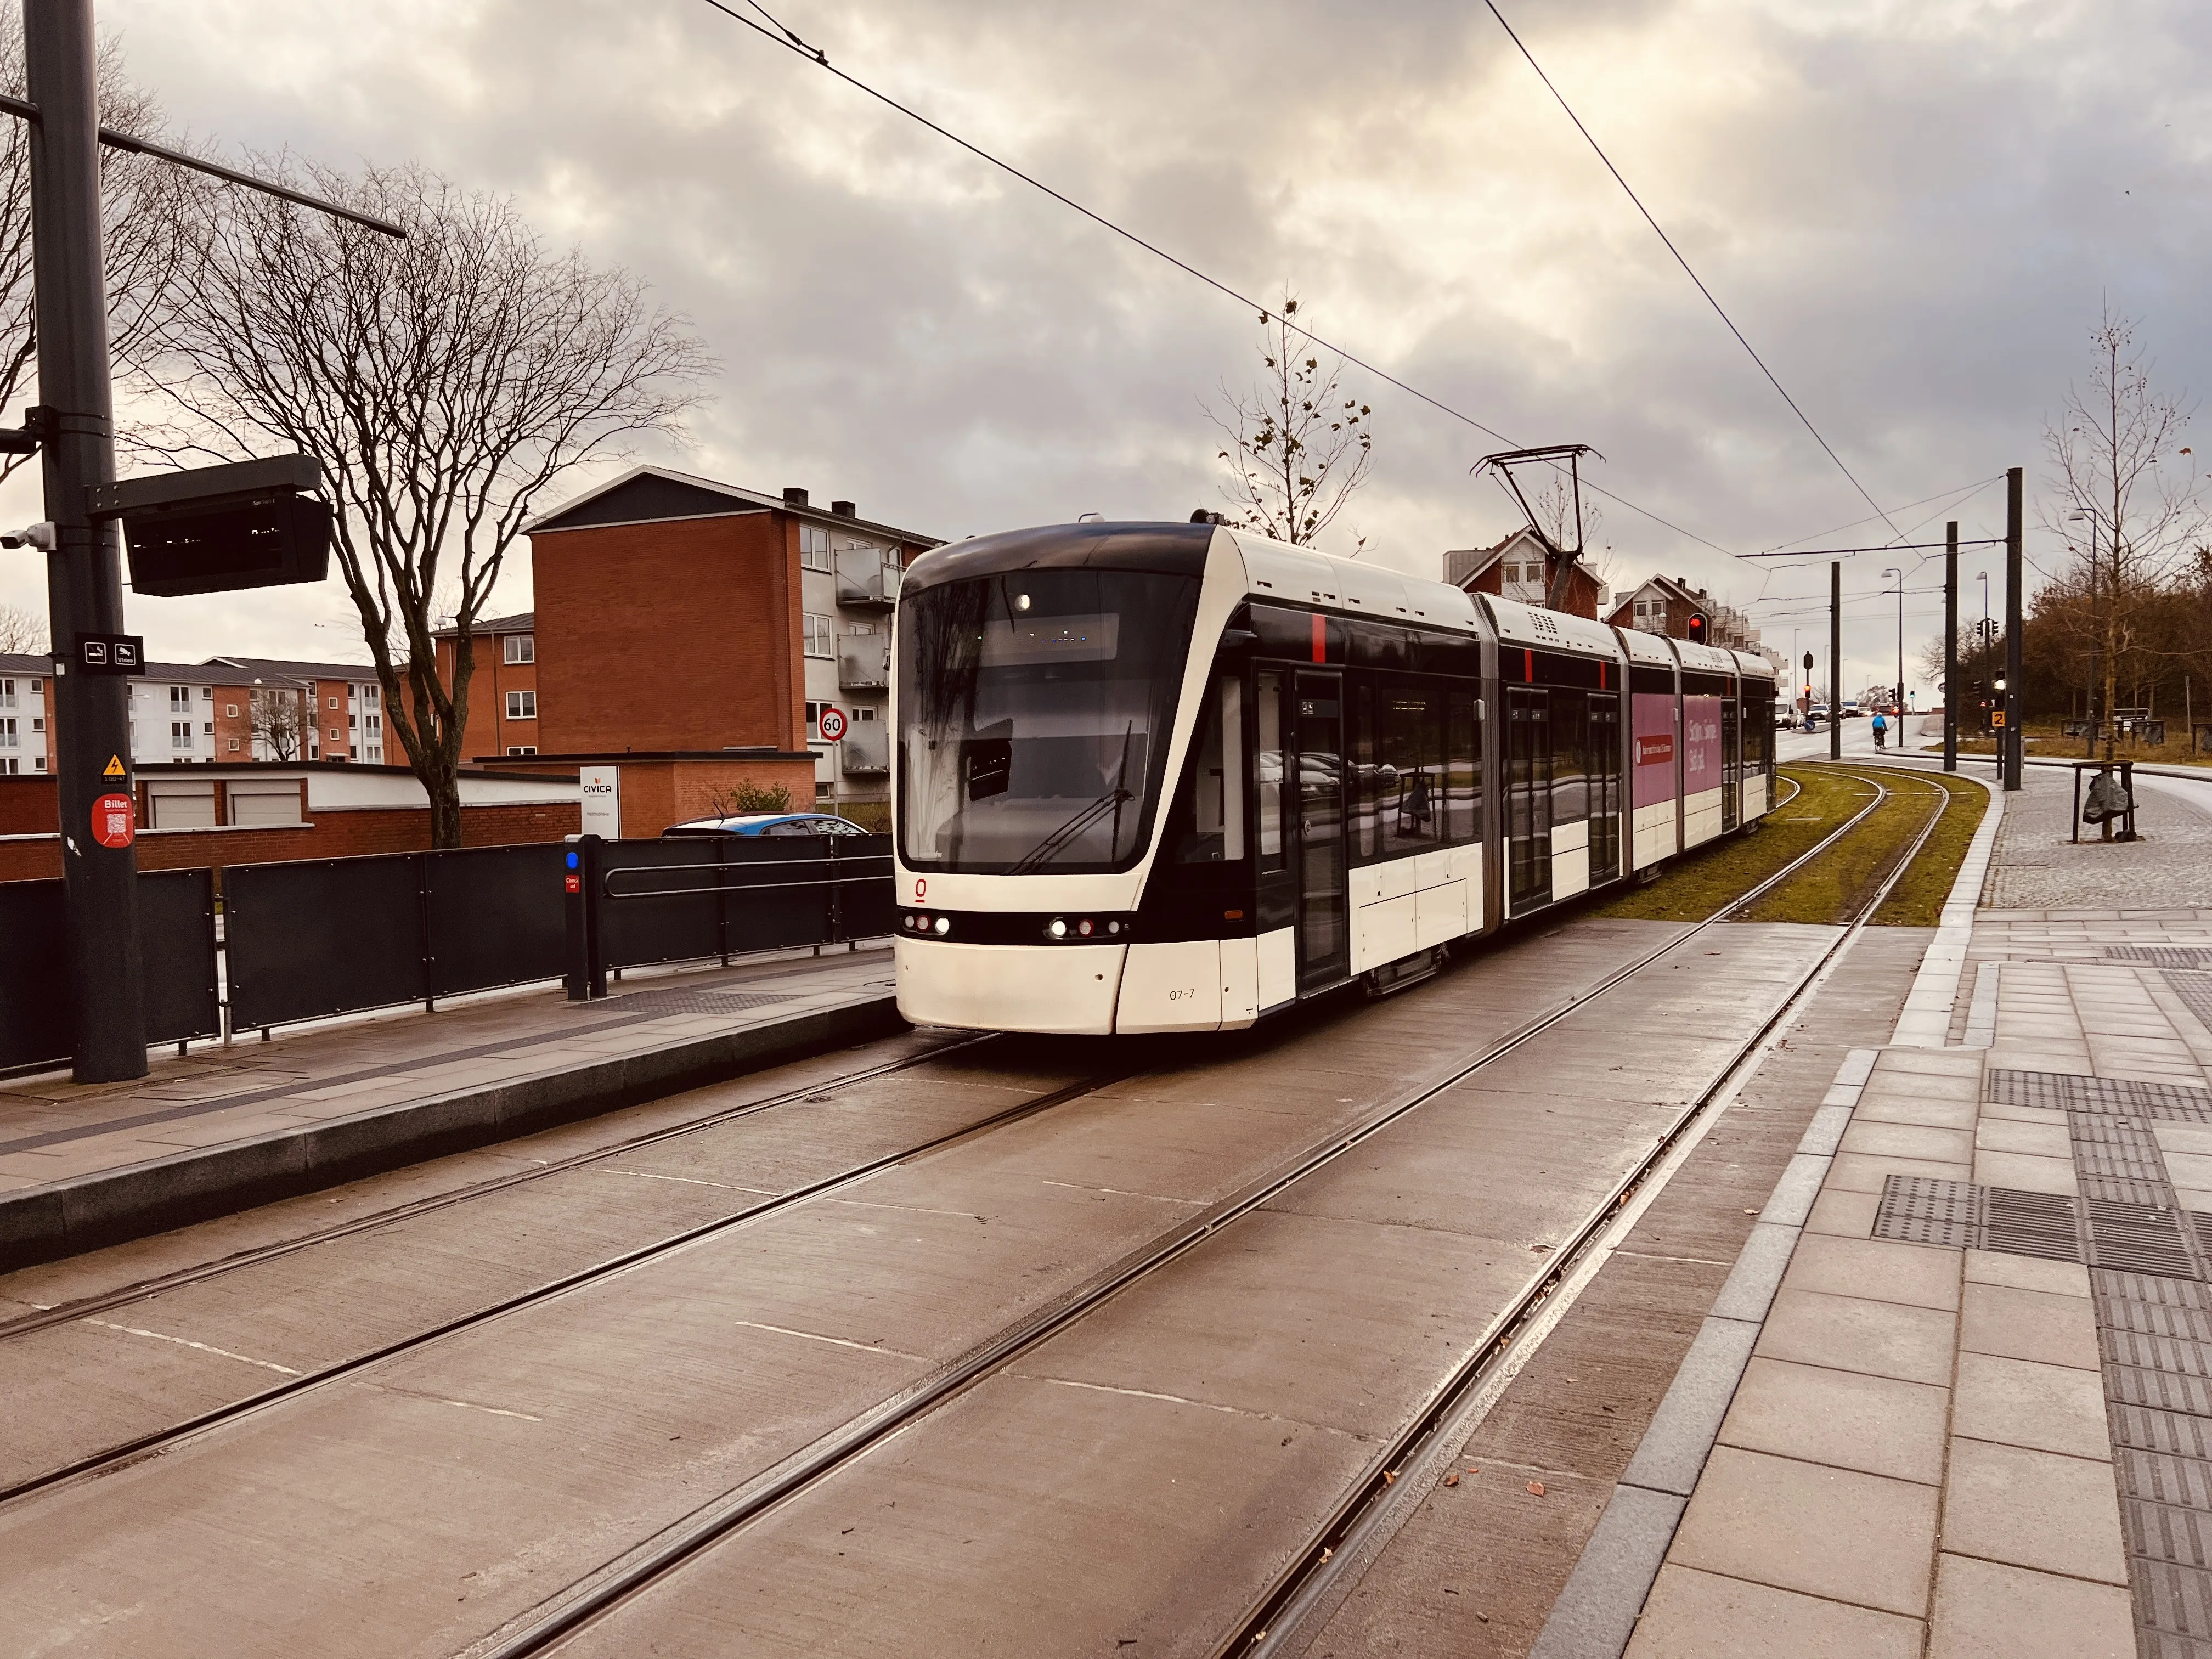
point(1951, 647)
point(2012, 746)
point(1836, 660)
point(84, 578)
point(1900, 644)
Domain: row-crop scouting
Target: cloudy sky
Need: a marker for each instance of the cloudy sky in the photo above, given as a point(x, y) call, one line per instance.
point(1914, 209)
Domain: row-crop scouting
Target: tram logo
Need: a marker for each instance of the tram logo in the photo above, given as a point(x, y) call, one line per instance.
point(1657, 750)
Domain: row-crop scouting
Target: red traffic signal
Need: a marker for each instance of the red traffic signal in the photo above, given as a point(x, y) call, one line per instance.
point(1696, 632)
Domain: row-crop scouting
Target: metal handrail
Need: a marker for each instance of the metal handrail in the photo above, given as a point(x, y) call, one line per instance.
point(607, 877)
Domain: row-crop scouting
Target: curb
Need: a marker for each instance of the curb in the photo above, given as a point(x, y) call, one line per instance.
point(1924, 1022)
point(1596, 1612)
point(89, 1213)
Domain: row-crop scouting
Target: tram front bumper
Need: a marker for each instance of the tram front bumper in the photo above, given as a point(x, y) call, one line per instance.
point(1071, 989)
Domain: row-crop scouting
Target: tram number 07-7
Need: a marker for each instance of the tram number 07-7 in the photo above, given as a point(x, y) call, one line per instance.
point(1182, 995)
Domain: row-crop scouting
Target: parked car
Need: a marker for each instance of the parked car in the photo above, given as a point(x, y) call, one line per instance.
point(1851, 709)
point(1785, 717)
point(767, 824)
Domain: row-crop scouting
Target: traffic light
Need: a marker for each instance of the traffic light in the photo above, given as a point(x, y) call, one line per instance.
point(1697, 630)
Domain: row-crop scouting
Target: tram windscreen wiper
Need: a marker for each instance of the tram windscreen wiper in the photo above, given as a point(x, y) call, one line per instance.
point(1112, 801)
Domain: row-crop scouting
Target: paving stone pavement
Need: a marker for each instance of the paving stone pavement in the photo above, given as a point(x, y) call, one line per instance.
point(1976, 1415)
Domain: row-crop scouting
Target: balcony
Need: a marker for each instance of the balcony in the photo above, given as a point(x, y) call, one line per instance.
point(864, 662)
point(865, 750)
point(868, 578)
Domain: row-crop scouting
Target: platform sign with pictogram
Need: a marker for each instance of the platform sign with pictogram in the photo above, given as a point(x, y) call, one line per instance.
point(833, 724)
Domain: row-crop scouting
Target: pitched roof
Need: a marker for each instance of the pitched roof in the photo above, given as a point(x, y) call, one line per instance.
point(646, 494)
point(484, 627)
point(287, 668)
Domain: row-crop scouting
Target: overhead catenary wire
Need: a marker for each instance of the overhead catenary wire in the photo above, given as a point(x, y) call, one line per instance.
point(1718, 310)
point(781, 34)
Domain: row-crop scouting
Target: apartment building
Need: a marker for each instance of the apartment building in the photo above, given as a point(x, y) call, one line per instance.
point(502, 714)
point(27, 727)
point(727, 634)
point(340, 710)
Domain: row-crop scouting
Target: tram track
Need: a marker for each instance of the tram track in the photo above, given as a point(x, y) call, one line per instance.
point(587, 1599)
point(154, 1442)
point(1457, 1407)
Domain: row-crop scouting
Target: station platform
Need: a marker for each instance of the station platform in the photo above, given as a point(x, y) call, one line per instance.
point(226, 1127)
point(1951, 1395)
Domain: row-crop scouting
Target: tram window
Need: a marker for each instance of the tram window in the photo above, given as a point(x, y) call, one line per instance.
point(1463, 766)
point(1268, 766)
point(1367, 790)
point(1215, 832)
point(1411, 768)
point(1570, 757)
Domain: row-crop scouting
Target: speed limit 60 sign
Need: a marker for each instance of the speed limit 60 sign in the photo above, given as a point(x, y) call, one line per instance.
point(833, 724)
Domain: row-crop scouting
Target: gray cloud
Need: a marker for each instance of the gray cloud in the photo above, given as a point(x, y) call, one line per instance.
point(1912, 210)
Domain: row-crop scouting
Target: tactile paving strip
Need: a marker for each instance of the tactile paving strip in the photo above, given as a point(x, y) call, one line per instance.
point(2162, 956)
point(1961, 1216)
point(2195, 991)
point(2066, 1091)
point(701, 1002)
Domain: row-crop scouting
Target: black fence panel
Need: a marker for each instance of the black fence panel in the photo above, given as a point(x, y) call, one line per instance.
point(176, 931)
point(494, 916)
point(780, 893)
point(652, 908)
point(866, 899)
point(35, 1012)
point(176, 923)
point(322, 936)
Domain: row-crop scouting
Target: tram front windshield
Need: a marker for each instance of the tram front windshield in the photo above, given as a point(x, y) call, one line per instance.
point(1036, 709)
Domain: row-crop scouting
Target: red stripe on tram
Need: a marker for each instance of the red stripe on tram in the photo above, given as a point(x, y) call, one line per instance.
point(1528, 666)
point(1320, 639)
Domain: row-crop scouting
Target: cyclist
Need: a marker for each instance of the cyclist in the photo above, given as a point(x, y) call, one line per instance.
point(1881, 728)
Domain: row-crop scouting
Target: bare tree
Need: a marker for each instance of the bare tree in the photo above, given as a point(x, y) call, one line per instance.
point(444, 382)
point(139, 199)
point(2131, 509)
point(279, 721)
point(1296, 447)
point(22, 633)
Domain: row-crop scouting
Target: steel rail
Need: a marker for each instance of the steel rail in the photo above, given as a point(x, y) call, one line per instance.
point(142, 1289)
point(1304, 1587)
point(158, 1440)
point(617, 1580)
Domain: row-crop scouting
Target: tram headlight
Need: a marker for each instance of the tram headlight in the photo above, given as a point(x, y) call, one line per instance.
point(944, 926)
point(1059, 928)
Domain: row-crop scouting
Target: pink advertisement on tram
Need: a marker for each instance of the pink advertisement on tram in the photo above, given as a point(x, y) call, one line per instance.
point(1701, 745)
point(1655, 748)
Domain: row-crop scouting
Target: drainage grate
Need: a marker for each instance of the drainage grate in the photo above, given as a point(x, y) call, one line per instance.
point(2068, 1092)
point(2162, 956)
point(2030, 1224)
point(702, 1002)
point(2138, 1238)
point(1923, 1210)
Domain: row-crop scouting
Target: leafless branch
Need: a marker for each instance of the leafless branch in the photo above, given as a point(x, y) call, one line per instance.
point(1296, 448)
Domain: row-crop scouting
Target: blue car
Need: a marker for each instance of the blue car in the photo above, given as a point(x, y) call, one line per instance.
point(767, 824)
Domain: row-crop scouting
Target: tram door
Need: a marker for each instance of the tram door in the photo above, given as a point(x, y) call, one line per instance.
point(1604, 786)
point(1528, 795)
point(1731, 761)
point(1317, 763)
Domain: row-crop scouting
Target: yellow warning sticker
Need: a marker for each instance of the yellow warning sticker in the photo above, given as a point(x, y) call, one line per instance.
point(114, 768)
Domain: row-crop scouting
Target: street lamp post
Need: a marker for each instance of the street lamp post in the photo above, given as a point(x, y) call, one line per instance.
point(1900, 700)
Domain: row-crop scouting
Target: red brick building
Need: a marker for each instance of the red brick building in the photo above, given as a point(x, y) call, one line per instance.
point(1520, 568)
point(697, 633)
point(1665, 604)
point(502, 717)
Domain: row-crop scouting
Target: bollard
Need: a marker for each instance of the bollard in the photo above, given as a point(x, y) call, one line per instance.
point(586, 978)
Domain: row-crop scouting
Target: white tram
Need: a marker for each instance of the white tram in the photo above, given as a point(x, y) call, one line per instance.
point(1160, 777)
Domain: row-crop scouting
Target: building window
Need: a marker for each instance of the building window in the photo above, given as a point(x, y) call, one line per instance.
point(813, 547)
point(7, 693)
point(334, 703)
point(37, 686)
point(230, 711)
point(233, 745)
point(207, 694)
point(370, 694)
point(864, 714)
point(38, 722)
point(522, 749)
point(9, 766)
point(818, 640)
point(520, 647)
point(207, 727)
point(336, 735)
point(180, 734)
point(8, 739)
point(40, 764)
point(522, 705)
point(180, 700)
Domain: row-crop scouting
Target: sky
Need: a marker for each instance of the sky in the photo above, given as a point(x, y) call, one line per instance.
point(1914, 209)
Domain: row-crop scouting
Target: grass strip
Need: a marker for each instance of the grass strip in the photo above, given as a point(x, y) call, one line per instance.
point(1917, 899)
point(1708, 880)
point(1838, 885)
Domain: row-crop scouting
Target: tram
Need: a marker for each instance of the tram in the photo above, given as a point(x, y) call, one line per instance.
point(1162, 777)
